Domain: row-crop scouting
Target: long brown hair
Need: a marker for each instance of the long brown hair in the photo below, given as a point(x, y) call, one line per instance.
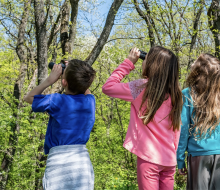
point(204, 81)
point(162, 72)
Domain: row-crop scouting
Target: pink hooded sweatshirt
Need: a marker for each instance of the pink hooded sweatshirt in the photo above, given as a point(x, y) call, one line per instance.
point(157, 142)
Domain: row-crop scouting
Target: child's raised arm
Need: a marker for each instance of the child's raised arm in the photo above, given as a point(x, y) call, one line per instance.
point(113, 86)
point(54, 76)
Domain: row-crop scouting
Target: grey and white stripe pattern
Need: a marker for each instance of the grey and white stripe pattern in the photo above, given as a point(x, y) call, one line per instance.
point(68, 168)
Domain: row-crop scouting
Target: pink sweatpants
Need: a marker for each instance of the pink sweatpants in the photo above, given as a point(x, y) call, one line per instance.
point(153, 176)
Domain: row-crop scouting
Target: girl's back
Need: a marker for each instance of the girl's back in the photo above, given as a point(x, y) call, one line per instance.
point(156, 138)
point(200, 125)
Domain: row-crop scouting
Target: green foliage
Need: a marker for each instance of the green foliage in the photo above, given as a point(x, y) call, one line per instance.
point(120, 184)
point(115, 167)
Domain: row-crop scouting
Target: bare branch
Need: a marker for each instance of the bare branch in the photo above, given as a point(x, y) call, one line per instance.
point(105, 33)
point(195, 31)
point(7, 30)
point(53, 32)
point(147, 20)
point(146, 5)
point(140, 38)
point(33, 81)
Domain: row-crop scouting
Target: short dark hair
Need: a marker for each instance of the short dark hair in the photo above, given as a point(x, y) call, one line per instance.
point(79, 76)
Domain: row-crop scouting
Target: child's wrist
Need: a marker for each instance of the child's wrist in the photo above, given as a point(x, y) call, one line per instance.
point(132, 60)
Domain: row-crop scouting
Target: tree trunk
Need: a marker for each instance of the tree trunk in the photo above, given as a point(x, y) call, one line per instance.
point(41, 37)
point(214, 24)
point(105, 32)
point(65, 12)
point(72, 30)
point(13, 139)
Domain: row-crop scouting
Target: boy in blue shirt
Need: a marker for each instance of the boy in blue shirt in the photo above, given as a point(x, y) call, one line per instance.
point(72, 116)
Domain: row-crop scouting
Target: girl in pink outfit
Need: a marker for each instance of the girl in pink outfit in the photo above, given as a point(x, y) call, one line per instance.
point(156, 104)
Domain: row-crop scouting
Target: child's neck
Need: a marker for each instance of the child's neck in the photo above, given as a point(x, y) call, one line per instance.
point(68, 92)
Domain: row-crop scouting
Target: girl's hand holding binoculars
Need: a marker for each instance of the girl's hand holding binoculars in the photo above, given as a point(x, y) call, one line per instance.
point(134, 55)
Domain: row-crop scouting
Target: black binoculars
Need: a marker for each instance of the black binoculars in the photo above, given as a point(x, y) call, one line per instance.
point(51, 64)
point(142, 55)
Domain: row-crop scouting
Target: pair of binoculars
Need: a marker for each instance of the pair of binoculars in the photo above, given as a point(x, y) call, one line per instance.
point(142, 55)
point(51, 64)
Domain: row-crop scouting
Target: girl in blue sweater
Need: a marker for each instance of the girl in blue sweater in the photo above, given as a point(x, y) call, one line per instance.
point(200, 130)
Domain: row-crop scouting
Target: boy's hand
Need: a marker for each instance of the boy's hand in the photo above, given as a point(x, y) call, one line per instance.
point(55, 74)
point(134, 55)
point(182, 171)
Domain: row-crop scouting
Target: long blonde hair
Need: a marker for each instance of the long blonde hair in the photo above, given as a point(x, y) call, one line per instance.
point(162, 72)
point(204, 81)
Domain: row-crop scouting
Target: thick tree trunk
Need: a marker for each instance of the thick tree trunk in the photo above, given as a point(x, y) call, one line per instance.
point(105, 32)
point(214, 24)
point(72, 29)
point(64, 37)
point(41, 37)
point(13, 139)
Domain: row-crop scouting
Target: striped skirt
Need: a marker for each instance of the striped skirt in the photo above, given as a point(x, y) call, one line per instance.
point(68, 167)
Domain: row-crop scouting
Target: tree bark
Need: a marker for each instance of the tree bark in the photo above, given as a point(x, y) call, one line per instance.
point(105, 32)
point(214, 24)
point(65, 12)
point(41, 37)
point(15, 128)
point(72, 29)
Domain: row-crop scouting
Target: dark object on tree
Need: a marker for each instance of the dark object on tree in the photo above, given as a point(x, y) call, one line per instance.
point(51, 64)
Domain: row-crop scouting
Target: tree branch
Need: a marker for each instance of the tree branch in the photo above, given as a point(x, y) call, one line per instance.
point(105, 32)
point(140, 38)
point(195, 31)
point(7, 30)
point(146, 5)
point(53, 32)
point(33, 81)
point(148, 22)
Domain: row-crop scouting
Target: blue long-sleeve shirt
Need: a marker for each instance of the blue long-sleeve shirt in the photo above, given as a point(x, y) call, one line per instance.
point(207, 146)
